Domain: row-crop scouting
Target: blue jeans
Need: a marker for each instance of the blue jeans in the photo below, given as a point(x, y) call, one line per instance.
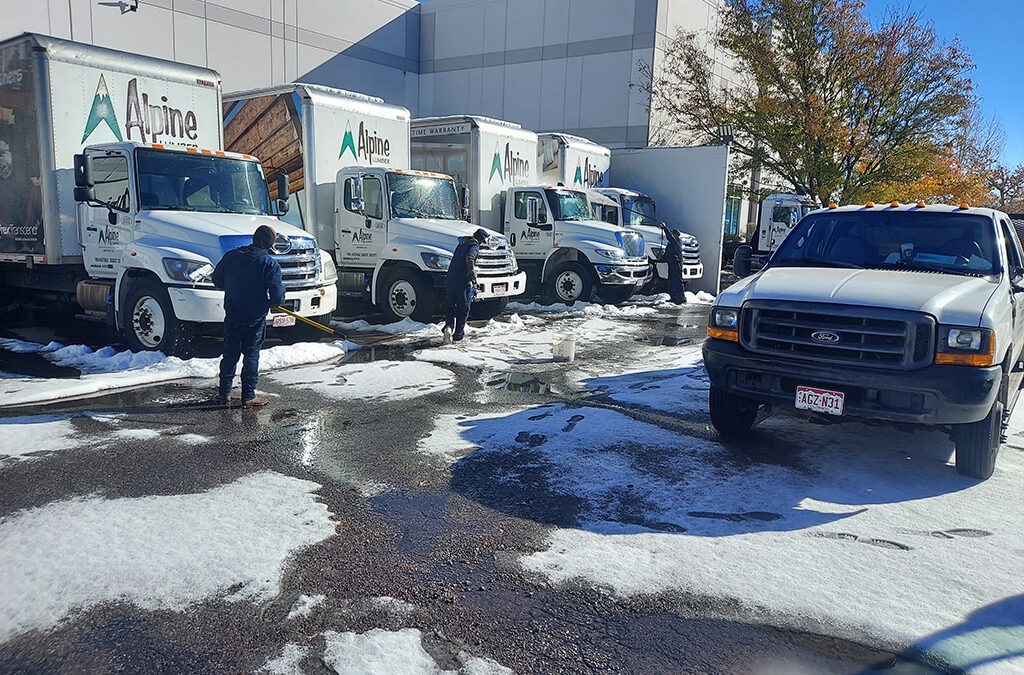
point(242, 340)
point(459, 299)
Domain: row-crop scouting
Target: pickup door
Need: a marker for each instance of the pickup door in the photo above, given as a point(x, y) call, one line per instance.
point(1015, 270)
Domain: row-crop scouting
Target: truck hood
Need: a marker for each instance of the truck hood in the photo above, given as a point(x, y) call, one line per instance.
point(443, 233)
point(201, 233)
point(949, 298)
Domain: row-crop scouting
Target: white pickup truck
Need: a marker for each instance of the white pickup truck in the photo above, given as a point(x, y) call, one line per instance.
point(902, 313)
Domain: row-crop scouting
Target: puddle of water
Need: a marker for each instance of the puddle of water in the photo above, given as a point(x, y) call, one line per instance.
point(380, 353)
point(35, 365)
point(665, 340)
point(527, 383)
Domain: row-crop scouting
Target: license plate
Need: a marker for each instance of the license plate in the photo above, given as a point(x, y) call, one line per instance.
point(282, 320)
point(820, 400)
point(499, 288)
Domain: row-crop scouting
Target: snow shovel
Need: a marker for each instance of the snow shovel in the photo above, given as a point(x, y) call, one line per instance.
point(326, 329)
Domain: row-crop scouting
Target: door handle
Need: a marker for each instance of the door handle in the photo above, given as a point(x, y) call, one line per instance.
point(91, 229)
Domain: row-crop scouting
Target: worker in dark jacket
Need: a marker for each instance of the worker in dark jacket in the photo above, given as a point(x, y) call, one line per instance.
point(673, 257)
point(460, 285)
point(251, 280)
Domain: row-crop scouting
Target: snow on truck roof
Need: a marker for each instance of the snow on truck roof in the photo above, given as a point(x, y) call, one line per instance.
point(69, 51)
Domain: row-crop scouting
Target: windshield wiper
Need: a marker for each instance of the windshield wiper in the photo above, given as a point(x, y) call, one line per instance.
point(921, 266)
point(819, 262)
point(171, 207)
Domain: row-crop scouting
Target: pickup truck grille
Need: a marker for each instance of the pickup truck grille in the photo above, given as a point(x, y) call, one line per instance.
point(838, 333)
point(299, 260)
point(495, 259)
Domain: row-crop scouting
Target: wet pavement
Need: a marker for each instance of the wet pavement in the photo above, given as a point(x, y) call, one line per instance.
point(442, 539)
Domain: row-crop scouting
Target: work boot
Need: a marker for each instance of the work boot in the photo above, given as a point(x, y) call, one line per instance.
point(255, 402)
point(447, 333)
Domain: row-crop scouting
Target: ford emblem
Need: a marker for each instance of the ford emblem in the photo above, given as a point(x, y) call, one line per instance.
point(824, 336)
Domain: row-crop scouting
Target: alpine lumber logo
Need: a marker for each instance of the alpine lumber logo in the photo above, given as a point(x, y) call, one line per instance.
point(370, 147)
point(515, 166)
point(587, 174)
point(102, 110)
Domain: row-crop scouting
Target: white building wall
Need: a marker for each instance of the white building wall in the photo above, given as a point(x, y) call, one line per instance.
point(370, 46)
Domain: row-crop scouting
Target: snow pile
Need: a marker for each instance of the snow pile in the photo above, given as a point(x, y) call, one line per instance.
point(700, 297)
point(158, 552)
point(305, 604)
point(107, 369)
point(375, 381)
point(404, 328)
point(872, 538)
point(380, 651)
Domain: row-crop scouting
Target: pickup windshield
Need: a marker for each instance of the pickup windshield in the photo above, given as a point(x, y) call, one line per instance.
point(170, 180)
point(953, 243)
point(415, 196)
point(569, 205)
point(638, 211)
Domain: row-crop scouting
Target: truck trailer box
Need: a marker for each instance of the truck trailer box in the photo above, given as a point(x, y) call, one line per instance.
point(572, 161)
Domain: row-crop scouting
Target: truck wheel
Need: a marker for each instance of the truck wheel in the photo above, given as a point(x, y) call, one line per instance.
point(405, 294)
point(149, 322)
point(614, 294)
point(483, 310)
point(977, 444)
point(568, 283)
point(731, 415)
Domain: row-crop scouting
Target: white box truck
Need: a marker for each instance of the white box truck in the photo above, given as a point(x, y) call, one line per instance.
point(567, 254)
point(116, 193)
point(391, 230)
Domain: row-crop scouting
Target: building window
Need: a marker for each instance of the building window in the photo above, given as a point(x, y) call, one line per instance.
point(733, 201)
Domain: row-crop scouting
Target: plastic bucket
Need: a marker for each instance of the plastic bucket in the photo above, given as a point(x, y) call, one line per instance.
point(563, 346)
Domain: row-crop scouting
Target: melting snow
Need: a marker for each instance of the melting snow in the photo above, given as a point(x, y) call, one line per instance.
point(157, 552)
point(378, 380)
point(305, 604)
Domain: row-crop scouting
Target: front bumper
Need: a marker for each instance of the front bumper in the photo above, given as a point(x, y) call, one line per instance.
point(490, 287)
point(206, 305)
point(689, 271)
point(629, 273)
point(935, 395)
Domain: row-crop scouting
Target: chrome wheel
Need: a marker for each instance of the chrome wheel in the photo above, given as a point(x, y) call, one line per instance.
point(569, 285)
point(148, 322)
point(402, 298)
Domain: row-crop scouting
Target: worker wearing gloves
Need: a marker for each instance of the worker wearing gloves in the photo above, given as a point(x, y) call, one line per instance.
point(460, 285)
point(251, 280)
point(673, 257)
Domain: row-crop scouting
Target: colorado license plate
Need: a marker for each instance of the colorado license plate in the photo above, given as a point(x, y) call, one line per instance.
point(820, 400)
point(499, 288)
point(283, 320)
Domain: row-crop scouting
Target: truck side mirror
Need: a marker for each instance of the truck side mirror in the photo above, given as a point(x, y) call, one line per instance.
point(83, 171)
point(741, 261)
point(85, 194)
point(281, 203)
point(464, 199)
point(356, 195)
point(532, 211)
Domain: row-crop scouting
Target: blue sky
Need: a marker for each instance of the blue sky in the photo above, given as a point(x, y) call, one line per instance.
point(993, 32)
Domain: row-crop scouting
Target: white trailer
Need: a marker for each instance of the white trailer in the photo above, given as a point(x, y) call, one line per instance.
point(572, 161)
point(116, 194)
point(390, 229)
point(777, 215)
point(567, 253)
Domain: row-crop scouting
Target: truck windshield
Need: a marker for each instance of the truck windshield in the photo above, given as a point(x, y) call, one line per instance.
point(638, 211)
point(413, 196)
point(569, 205)
point(924, 241)
point(175, 181)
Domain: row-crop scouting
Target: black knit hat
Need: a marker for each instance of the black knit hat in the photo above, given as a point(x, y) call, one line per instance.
point(480, 235)
point(264, 237)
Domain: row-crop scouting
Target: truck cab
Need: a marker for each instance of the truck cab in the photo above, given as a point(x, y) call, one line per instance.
point(573, 255)
point(637, 211)
point(395, 232)
point(154, 220)
point(777, 216)
point(901, 313)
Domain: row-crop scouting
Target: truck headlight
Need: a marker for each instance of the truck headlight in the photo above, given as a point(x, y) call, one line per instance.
point(611, 253)
point(187, 270)
point(963, 346)
point(327, 265)
point(436, 261)
point(724, 324)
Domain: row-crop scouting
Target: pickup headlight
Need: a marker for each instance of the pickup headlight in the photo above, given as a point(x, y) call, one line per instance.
point(611, 253)
point(724, 324)
point(187, 270)
point(327, 265)
point(961, 346)
point(436, 261)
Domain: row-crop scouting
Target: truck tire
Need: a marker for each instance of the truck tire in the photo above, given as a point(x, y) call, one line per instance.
point(149, 323)
point(732, 416)
point(483, 310)
point(977, 444)
point(404, 293)
point(568, 283)
point(614, 294)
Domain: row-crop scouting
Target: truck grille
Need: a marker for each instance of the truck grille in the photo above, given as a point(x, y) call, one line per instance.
point(691, 253)
point(633, 244)
point(495, 259)
point(299, 260)
point(838, 333)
